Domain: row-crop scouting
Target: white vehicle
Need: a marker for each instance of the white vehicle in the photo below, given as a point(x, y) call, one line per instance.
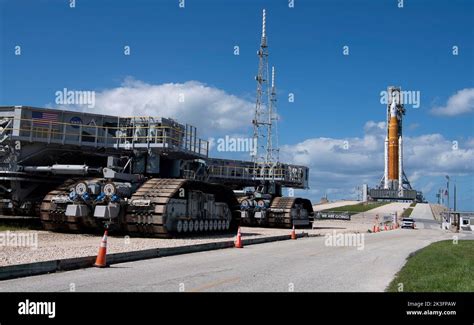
point(408, 223)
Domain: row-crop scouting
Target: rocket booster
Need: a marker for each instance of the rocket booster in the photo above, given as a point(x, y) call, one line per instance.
point(393, 144)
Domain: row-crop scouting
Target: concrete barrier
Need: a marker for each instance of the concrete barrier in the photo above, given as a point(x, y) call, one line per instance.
point(22, 270)
point(30, 269)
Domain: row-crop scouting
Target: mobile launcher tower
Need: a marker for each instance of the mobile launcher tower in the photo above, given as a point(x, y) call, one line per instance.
point(394, 185)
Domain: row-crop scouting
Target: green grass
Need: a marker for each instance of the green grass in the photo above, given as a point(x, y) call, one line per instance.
point(356, 208)
point(439, 267)
point(407, 212)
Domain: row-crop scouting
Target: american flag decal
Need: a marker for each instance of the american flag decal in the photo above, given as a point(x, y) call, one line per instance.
point(41, 119)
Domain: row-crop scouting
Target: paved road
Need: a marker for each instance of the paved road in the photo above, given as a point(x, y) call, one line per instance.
point(304, 265)
point(384, 210)
point(387, 209)
point(424, 217)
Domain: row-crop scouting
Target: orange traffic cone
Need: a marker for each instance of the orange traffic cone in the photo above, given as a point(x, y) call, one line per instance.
point(293, 233)
point(238, 240)
point(100, 260)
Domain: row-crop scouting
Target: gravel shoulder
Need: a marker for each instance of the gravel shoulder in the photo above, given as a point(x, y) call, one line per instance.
point(45, 245)
point(51, 246)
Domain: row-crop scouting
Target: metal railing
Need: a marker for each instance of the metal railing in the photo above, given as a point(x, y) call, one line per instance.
point(126, 137)
point(255, 172)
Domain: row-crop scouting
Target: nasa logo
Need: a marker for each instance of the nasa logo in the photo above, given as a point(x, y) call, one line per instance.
point(75, 121)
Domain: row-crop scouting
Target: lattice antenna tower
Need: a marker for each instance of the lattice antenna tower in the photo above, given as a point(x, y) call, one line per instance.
point(264, 134)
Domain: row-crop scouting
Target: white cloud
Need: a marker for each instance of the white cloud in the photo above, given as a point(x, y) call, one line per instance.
point(460, 103)
point(213, 111)
point(341, 170)
point(432, 153)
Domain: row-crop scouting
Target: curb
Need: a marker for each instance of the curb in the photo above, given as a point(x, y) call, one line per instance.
point(68, 264)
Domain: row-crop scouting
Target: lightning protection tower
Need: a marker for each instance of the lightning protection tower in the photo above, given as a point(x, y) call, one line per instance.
point(266, 153)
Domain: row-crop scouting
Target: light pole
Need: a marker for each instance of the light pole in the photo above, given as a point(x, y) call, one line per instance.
point(454, 204)
point(458, 215)
point(447, 191)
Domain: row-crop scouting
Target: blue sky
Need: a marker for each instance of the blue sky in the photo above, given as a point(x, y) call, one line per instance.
point(335, 95)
